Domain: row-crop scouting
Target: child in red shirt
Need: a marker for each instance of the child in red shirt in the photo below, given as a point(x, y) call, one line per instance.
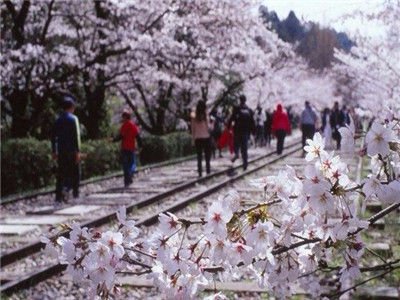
point(128, 133)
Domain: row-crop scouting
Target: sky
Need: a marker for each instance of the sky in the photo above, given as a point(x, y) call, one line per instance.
point(325, 12)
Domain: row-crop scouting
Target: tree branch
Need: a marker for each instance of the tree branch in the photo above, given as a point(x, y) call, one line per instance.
point(337, 295)
point(380, 215)
point(18, 20)
point(47, 23)
point(23, 13)
point(146, 104)
point(141, 121)
point(11, 8)
point(155, 21)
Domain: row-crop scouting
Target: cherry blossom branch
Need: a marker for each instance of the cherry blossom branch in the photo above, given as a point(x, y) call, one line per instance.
point(47, 24)
point(134, 273)
point(284, 249)
point(376, 254)
point(355, 188)
point(260, 205)
point(380, 215)
point(155, 21)
point(382, 267)
point(141, 252)
point(386, 266)
point(384, 165)
point(337, 295)
point(135, 262)
point(188, 223)
point(371, 220)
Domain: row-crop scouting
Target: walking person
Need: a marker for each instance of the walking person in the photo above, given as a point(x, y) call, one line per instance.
point(280, 127)
point(267, 127)
point(216, 132)
point(307, 122)
point(65, 143)
point(337, 121)
point(356, 119)
point(260, 120)
point(346, 115)
point(128, 134)
point(226, 138)
point(326, 128)
point(201, 137)
point(243, 125)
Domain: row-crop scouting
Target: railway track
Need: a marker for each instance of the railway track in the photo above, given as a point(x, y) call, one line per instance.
point(84, 183)
point(156, 190)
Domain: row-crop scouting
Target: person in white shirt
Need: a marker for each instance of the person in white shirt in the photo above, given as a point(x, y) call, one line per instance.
point(260, 120)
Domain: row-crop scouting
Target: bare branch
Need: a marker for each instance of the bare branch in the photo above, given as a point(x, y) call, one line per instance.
point(47, 23)
point(337, 295)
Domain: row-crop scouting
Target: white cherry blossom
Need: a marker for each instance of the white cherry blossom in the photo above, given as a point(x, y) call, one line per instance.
point(373, 186)
point(113, 240)
point(378, 139)
point(169, 223)
point(217, 217)
point(315, 147)
point(347, 134)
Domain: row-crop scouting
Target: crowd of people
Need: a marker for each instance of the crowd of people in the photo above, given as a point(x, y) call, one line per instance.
point(332, 120)
point(214, 132)
point(211, 132)
point(240, 124)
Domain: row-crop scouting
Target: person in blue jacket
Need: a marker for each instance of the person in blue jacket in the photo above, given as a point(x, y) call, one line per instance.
point(65, 142)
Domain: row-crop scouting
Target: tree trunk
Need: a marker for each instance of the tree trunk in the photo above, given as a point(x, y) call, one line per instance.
point(96, 117)
point(19, 122)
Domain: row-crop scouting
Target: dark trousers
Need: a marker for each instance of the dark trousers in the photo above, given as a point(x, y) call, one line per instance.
point(268, 137)
point(260, 136)
point(203, 145)
point(128, 161)
point(280, 136)
point(337, 137)
point(68, 174)
point(241, 141)
point(308, 131)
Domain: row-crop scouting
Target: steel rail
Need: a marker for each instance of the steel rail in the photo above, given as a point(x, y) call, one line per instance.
point(12, 199)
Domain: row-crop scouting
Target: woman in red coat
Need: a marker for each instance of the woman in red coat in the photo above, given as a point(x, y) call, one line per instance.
point(227, 135)
point(280, 127)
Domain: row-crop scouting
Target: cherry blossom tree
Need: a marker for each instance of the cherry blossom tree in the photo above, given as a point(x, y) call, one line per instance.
point(48, 47)
point(160, 56)
point(292, 85)
point(214, 43)
point(372, 66)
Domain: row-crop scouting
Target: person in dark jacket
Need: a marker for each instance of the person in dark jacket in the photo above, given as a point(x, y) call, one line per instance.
point(267, 127)
point(65, 142)
point(128, 133)
point(243, 125)
point(337, 120)
point(308, 118)
point(280, 127)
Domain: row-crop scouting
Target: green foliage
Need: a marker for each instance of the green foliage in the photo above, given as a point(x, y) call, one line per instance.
point(102, 158)
point(160, 148)
point(26, 164)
